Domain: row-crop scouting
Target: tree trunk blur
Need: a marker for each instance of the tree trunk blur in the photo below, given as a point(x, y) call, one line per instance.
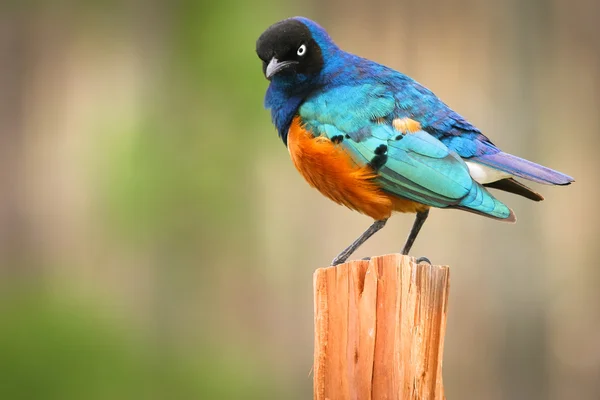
point(15, 58)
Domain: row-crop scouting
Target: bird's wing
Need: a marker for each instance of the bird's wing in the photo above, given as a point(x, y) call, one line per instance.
point(410, 162)
point(419, 103)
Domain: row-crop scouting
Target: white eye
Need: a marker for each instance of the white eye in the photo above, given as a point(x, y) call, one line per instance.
point(301, 50)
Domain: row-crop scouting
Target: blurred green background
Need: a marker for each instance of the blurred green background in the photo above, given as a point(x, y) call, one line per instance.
point(157, 243)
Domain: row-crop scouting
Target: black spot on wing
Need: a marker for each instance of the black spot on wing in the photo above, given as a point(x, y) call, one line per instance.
point(380, 157)
point(381, 149)
point(378, 161)
point(337, 139)
point(399, 137)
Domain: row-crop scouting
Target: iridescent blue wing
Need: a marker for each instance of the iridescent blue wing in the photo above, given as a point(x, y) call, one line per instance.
point(410, 164)
point(419, 103)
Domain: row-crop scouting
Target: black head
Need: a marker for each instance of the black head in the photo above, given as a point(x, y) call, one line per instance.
point(288, 48)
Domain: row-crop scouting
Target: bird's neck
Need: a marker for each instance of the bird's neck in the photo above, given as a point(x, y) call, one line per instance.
point(284, 100)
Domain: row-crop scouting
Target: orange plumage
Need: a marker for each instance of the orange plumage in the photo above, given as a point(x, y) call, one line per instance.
point(327, 167)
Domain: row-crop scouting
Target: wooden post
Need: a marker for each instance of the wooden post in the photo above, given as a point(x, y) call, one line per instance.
point(379, 330)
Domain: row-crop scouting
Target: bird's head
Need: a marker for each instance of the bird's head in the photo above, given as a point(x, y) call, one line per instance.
point(294, 51)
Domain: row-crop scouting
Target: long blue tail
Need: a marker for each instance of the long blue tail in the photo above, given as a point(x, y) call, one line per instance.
point(524, 169)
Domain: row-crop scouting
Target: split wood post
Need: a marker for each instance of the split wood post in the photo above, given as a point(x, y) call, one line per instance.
point(379, 330)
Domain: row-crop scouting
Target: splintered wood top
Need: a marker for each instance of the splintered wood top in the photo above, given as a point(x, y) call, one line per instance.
point(379, 329)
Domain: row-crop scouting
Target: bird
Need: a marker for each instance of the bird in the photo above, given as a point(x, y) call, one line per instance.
point(378, 142)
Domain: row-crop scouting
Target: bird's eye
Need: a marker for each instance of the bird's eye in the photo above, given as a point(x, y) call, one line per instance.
point(301, 50)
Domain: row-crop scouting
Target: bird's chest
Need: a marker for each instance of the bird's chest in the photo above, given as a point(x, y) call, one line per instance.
point(329, 168)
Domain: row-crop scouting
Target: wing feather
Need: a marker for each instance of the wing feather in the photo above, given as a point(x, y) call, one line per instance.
point(416, 165)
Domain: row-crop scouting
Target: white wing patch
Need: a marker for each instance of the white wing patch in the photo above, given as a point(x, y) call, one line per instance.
point(484, 174)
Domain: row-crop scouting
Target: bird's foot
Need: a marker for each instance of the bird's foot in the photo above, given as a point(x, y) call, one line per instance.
point(338, 260)
point(423, 260)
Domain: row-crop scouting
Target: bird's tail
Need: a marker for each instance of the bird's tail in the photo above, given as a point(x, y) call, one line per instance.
point(524, 169)
point(480, 201)
point(511, 185)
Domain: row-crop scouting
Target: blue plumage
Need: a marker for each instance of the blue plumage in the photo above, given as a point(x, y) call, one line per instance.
point(413, 165)
point(355, 91)
point(523, 168)
point(419, 149)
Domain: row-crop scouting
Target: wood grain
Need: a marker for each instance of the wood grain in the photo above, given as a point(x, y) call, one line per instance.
point(379, 329)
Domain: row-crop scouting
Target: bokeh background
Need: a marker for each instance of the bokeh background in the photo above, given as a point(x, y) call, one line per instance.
point(157, 243)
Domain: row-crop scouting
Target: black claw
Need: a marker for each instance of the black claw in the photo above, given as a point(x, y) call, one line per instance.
point(366, 258)
point(423, 260)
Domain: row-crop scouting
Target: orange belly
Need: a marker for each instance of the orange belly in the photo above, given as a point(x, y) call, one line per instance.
point(329, 168)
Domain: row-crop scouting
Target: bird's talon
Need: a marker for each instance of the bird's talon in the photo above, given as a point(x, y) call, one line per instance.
point(423, 260)
point(366, 258)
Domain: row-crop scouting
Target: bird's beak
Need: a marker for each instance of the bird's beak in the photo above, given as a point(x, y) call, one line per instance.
point(275, 66)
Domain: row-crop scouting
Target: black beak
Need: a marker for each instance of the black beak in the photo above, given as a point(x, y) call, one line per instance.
point(276, 66)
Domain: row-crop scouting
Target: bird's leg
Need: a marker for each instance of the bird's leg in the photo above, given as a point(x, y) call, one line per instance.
point(347, 252)
point(419, 221)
